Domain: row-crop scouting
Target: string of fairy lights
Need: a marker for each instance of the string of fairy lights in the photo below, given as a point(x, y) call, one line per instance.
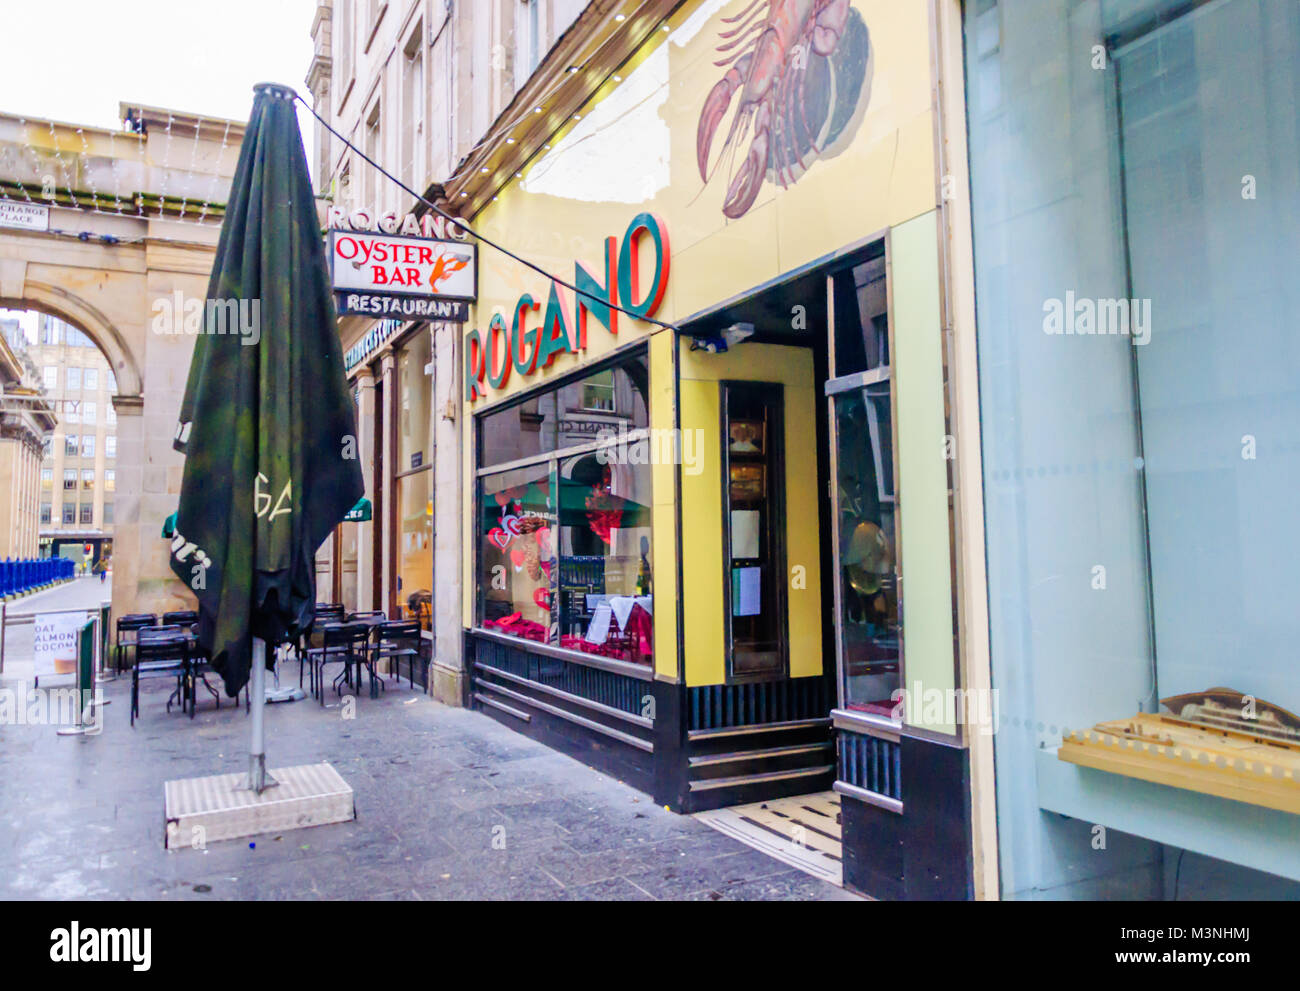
point(63, 175)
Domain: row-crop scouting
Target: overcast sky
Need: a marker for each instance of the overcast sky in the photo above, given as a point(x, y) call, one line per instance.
point(73, 60)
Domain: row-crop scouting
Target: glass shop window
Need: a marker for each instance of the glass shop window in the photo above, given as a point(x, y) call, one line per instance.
point(565, 542)
point(414, 481)
point(755, 525)
point(605, 573)
point(516, 553)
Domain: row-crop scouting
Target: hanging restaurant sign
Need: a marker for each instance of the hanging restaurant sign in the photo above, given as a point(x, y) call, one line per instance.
point(509, 344)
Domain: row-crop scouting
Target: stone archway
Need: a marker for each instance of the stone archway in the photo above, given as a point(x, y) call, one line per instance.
point(58, 302)
point(124, 228)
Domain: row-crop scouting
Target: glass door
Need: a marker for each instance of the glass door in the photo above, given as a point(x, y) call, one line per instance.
point(864, 503)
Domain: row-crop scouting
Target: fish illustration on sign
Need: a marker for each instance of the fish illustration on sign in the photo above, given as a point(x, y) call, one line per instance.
point(800, 73)
point(446, 266)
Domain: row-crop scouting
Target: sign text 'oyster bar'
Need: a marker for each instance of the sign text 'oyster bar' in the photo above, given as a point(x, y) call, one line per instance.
point(400, 277)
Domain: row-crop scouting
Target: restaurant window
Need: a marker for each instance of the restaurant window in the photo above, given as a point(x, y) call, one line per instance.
point(866, 575)
point(565, 542)
point(755, 529)
point(69, 479)
point(414, 481)
point(45, 512)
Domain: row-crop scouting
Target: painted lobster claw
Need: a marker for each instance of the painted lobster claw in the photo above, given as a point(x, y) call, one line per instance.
point(749, 179)
point(715, 108)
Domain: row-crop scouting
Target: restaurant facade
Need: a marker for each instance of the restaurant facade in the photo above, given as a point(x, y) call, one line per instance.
point(713, 459)
point(713, 485)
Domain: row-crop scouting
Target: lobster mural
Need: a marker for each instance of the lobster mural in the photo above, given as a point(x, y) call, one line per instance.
point(802, 69)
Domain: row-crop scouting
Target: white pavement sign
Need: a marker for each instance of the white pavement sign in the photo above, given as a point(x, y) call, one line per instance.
point(54, 647)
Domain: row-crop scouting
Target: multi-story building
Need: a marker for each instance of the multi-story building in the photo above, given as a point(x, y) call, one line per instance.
point(79, 467)
point(26, 421)
point(416, 85)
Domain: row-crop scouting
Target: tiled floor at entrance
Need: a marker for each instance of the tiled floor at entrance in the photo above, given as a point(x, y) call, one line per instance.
point(803, 831)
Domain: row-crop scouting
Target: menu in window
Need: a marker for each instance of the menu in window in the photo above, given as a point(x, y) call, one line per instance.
point(746, 591)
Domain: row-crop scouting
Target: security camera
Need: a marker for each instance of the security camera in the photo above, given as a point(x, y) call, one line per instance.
point(730, 337)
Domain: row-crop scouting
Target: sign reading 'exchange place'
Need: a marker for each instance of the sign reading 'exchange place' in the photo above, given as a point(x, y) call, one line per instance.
point(24, 216)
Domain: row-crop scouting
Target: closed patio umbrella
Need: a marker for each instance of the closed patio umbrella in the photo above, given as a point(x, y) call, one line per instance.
point(267, 424)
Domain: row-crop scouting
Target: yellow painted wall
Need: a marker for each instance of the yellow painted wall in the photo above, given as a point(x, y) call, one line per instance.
point(703, 595)
point(664, 510)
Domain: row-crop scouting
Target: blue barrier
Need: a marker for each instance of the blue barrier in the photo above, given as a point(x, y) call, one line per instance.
point(17, 577)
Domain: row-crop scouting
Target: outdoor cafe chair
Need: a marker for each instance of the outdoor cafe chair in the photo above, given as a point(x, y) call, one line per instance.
point(324, 612)
point(127, 630)
point(395, 641)
point(187, 618)
point(160, 657)
point(344, 642)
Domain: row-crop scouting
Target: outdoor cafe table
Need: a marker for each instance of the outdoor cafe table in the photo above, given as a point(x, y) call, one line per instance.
point(371, 621)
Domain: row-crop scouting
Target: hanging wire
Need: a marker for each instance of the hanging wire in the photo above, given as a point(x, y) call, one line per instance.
point(465, 227)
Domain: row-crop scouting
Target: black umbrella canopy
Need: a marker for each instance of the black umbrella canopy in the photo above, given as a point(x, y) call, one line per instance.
point(267, 424)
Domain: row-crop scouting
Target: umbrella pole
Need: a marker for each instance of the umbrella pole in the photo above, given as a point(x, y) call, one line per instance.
point(258, 779)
